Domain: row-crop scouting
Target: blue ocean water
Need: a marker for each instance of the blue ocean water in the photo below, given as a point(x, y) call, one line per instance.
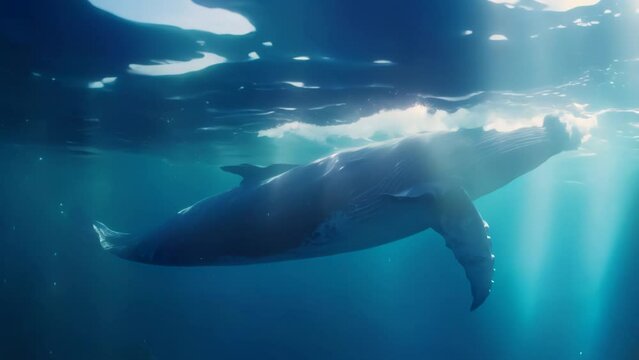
point(124, 112)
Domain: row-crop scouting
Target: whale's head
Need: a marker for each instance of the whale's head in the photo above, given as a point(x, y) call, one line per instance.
point(561, 134)
point(486, 160)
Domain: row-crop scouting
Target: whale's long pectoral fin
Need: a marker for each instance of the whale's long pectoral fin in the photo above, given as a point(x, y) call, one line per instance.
point(466, 234)
point(252, 174)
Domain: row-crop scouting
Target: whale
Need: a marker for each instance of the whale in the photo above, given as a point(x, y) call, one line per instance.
point(354, 199)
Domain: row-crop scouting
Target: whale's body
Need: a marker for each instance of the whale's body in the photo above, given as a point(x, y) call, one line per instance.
point(354, 200)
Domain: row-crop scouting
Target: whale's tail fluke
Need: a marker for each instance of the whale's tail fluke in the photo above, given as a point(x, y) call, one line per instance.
point(111, 240)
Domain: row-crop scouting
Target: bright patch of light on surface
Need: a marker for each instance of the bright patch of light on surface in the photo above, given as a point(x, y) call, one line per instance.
point(393, 123)
point(402, 122)
point(582, 23)
point(607, 11)
point(297, 84)
point(183, 14)
point(109, 80)
point(497, 37)
point(96, 85)
point(100, 84)
point(322, 107)
point(267, 43)
point(171, 67)
point(467, 32)
point(548, 5)
point(565, 5)
point(389, 124)
point(534, 36)
point(453, 98)
point(382, 62)
point(301, 58)
point(253, 55)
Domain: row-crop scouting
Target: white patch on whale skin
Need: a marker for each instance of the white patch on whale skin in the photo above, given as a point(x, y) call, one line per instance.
point(329, 231)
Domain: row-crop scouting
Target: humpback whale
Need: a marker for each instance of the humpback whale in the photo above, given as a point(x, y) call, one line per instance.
point(352, 200)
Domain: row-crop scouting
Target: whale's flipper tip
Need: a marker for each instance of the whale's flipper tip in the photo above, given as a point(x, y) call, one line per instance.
point(480, 288)
point(109, 239)
point(466, 234)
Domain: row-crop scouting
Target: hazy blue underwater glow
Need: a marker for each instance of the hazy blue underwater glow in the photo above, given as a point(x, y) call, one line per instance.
point(87, 134)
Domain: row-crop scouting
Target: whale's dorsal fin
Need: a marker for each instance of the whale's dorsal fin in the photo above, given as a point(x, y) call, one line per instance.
point(466, 234)
point(252, 174)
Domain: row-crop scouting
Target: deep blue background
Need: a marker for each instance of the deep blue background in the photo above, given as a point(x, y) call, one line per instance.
point(565, 235)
